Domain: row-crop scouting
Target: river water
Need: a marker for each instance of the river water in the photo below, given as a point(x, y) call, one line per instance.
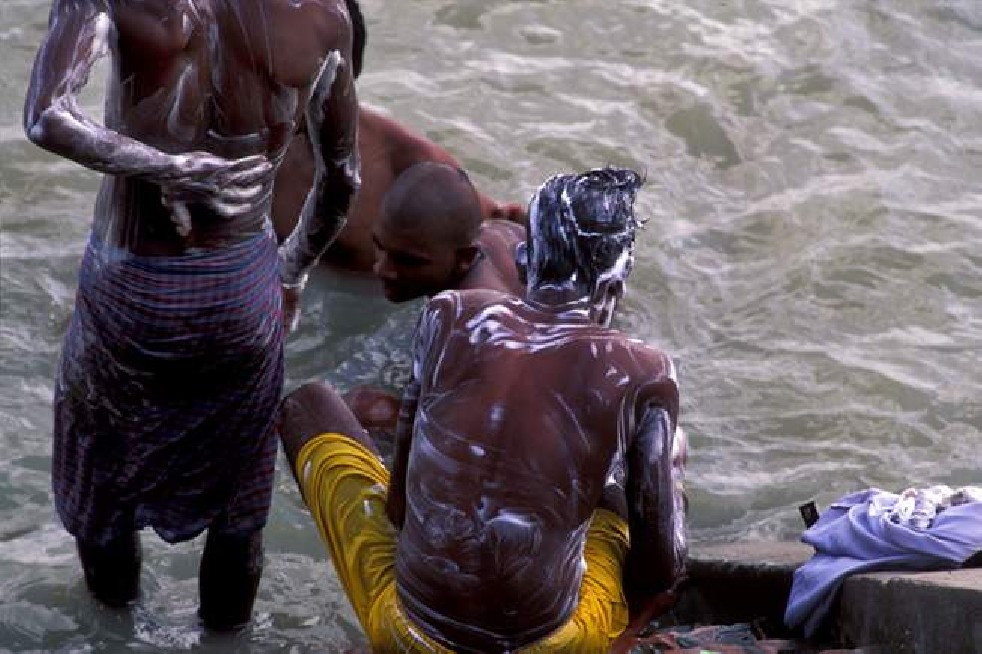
point(813, 260)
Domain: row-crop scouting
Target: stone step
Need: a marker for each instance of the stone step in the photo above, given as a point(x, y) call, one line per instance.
point(925, 612)
point(920, 613)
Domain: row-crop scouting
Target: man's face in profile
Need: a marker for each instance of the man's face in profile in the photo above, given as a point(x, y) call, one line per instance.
point(410, 265)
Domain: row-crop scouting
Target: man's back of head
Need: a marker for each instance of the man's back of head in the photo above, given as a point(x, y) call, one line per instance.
point(434, 196)
point(581, 232)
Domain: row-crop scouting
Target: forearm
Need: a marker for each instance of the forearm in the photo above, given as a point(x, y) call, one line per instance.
point(62, 129)
point(79, 35)
point(396, 500)
point(648, 596)
point(656, 560)
point(321, 220)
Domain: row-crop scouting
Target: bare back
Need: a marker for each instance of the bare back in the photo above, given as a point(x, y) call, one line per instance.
point(523, 415)
point(231, 78)
point(386, 148)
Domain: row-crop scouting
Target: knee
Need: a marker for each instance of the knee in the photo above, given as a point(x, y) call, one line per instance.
point(314, 408)
point(309, 400)
point(316, 391)
point(300, 408)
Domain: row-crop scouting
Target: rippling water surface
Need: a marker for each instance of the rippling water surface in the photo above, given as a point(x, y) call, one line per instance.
point(813, 259)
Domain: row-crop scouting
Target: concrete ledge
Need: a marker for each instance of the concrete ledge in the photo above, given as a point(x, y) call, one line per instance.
point(922, 613)
point(741, 582)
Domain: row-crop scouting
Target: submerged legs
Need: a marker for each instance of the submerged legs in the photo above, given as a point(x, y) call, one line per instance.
point(229, 579)
point(112, 571)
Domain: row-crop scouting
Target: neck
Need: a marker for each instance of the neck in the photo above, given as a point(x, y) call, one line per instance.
point(472, 270)
point(560, 300)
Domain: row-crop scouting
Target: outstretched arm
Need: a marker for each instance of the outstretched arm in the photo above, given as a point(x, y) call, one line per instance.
point(79, 33)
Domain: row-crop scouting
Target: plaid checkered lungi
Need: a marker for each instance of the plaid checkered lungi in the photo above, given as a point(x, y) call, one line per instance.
point(168, 385)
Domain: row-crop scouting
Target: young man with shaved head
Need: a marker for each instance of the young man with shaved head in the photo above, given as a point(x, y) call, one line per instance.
point(534, 503)
point(173, 363)
point(387, 149)
point(429, 237)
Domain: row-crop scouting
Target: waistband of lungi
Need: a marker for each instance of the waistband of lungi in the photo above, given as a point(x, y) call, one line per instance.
point(194, 261)
point(231, 294)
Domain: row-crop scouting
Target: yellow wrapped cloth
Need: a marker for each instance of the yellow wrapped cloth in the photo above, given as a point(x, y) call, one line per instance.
point(345, 487)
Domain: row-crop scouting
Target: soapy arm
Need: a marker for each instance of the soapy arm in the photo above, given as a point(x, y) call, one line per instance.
point(79, 33)
point(332, 126)
point(428, 343)
point(395, 506)
point(656, 509)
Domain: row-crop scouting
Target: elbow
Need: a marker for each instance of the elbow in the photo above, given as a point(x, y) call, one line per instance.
point(42, 125)
point(54, 124)
point(34, 127)
point(348, 172)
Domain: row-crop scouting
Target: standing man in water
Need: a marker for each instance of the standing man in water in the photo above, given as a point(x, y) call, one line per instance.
point(173, 362)
point(535, 499)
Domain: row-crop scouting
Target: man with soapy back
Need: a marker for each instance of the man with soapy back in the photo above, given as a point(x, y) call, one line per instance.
point(535, 500)
point(172, 367)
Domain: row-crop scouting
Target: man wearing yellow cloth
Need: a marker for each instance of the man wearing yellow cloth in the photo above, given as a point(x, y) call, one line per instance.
point(535, 498)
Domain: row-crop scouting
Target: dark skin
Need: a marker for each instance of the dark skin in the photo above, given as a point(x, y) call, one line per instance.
point(202, 97)
point(493, 269)
point(413, 262)
point(418, 253)
point(386, 148)
point(514, 469)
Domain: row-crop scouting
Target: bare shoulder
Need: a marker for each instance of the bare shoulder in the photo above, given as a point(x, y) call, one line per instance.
point(506, 229)
point(468, 301)
point(498, 239)
point(644, 362)
point(654, 360)
point(300, 34)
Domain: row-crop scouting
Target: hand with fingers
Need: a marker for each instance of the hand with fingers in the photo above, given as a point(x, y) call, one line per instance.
point(229, 187)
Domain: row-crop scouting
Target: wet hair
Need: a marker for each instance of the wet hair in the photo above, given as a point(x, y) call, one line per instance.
point(441, 197)
point(359, 36)
point(581, 228)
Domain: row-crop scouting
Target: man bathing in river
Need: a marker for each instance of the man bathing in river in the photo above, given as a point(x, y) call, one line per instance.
point(534, 503)
point(173, 362)
point(386, 150)
point(429, 237)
